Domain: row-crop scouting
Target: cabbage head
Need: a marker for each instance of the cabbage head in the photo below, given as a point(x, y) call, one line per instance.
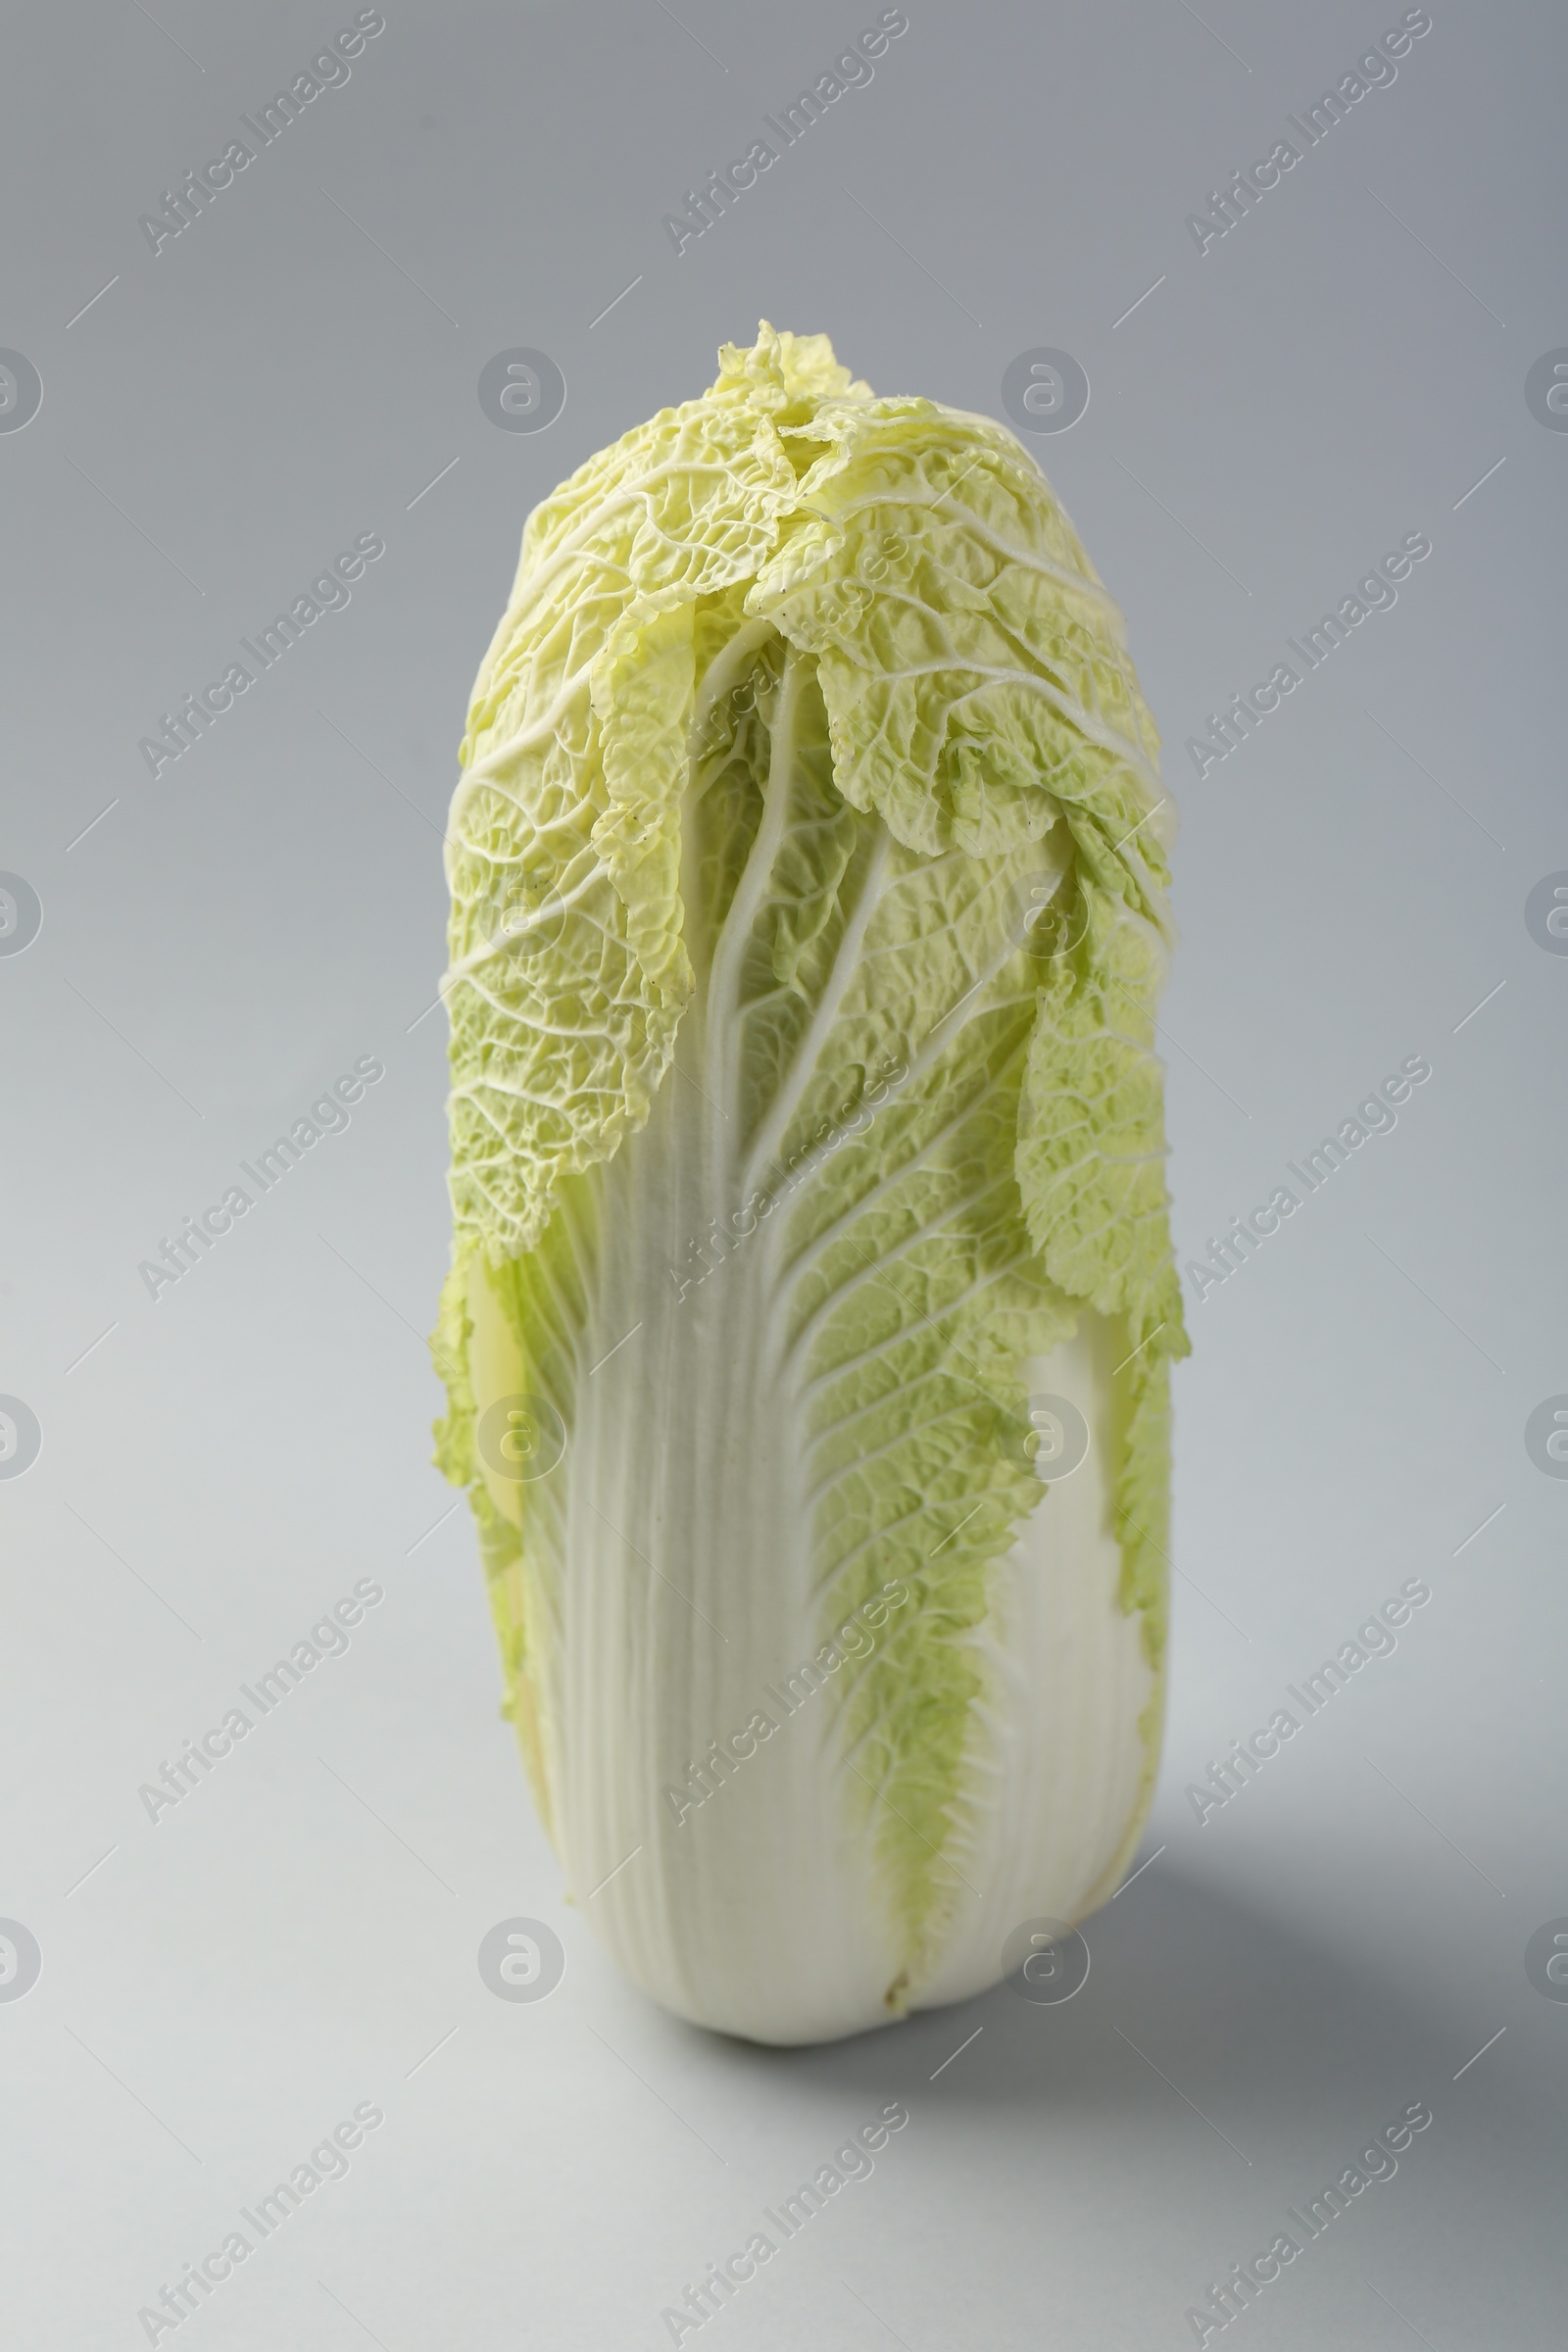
point(811, 1305)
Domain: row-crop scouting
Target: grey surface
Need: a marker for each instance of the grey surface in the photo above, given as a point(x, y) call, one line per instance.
point(302, 1931)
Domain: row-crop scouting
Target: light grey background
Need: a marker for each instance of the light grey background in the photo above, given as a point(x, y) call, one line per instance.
point(300, 1933)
